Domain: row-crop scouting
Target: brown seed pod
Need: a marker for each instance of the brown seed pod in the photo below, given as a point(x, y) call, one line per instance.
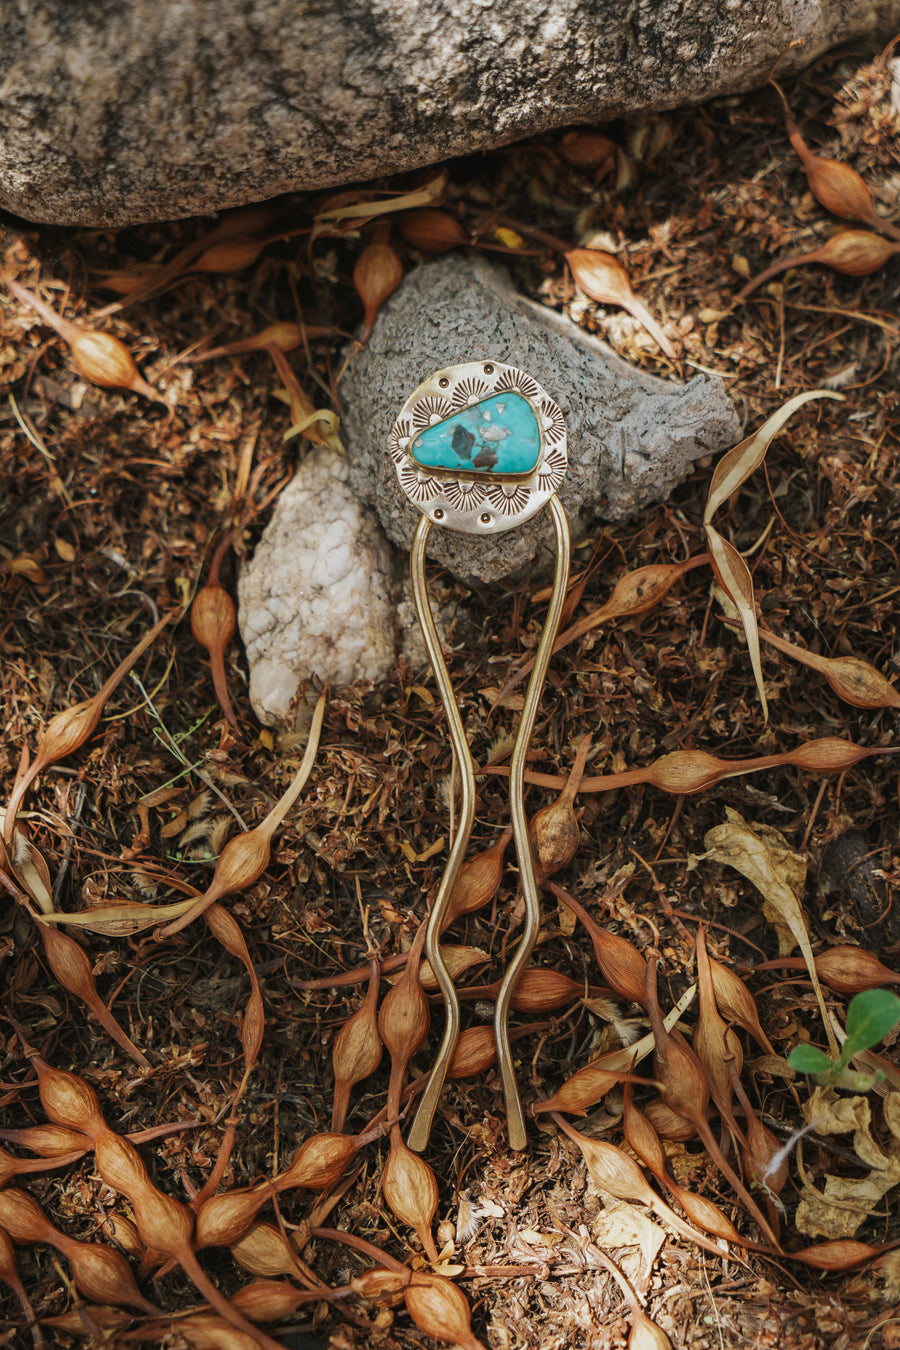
point(99, 357)
point(643, 1140)
point(265, 1252)
point(50, 1141)
point(72, 967)
point(319, 1162)
point(410, 1190)
point(849, 970)
point(440, 1309)
point(538, 990)
point(474, 1053)
point(585, 1088)
point(225, 1218)
point(622, 965)
point(616, 1172)
point(855, 681)
point(68, 1099)
point(854, 253)
point(842, 1254)
point(356, 1052)
point(213, 624)
point(376, 275)
point(829, 754)
point(684, 1087)
point(602, 277)
point(587, 149)
point(714, 1041)
point(478, 879)
point(229, 255)
point(403, 1021)
point(685, 771)
point(381, 1286)
point(736, 1003)
point(12, 1167)
point(68, 730)
point(553, 833)
point(667, 1123)
point(99, 1272)
point(9, 1274)
point(270, 1300)
point(431, 231)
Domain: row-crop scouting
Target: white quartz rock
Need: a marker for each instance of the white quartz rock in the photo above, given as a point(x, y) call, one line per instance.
point(314, 598)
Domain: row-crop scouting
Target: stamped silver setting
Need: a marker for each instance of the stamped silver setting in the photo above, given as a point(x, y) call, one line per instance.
point(483, 501)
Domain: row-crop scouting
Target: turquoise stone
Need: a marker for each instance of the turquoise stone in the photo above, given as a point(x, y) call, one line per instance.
point(500, 435)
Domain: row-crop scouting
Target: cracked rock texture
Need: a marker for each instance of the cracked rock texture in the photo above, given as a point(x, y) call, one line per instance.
point(631, 436)
point(122, 111)
point(314, 600)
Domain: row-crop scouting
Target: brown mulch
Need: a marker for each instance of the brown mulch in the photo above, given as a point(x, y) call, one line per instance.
point(109, 510)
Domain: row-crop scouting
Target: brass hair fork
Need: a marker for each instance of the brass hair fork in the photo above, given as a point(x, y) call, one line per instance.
point(480, 448)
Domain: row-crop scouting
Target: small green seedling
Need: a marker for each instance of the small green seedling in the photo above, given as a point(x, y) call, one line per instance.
point(871, 1016)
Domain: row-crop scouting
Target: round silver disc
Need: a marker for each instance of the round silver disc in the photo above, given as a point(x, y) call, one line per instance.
point(479, 447)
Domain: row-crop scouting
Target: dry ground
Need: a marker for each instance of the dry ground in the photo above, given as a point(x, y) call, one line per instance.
point(108, 504)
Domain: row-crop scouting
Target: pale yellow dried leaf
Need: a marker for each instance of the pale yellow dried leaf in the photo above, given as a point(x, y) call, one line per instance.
point(846, 1203)
point(120, 920)
point(737, 464)
point(331, 221)
point(740, 847)
point(734, 577)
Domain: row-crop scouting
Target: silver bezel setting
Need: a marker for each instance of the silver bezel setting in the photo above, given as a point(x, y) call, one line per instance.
point(482, 505)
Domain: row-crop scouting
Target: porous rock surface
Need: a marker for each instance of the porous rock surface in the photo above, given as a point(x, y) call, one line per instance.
point(314, 599)
point(122, 111)
point(631, 436)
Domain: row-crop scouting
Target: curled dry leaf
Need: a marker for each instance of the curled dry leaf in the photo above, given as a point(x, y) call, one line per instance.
point(838, 187)
point(350, 210)
point(732, 573)
point(602, 277)
point(762, 856)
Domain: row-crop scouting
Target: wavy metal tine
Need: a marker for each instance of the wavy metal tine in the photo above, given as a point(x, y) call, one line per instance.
point(514, 1118)
point(421, 1127)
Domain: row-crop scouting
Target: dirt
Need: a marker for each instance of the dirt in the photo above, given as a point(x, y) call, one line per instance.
point(111, 506)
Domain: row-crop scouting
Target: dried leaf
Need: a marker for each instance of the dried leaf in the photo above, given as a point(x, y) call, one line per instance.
point(775, 872)
point(733, 576)
point(737, 464)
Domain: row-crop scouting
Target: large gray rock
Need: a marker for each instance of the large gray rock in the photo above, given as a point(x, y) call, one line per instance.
point(631, 436)
point(121, 111)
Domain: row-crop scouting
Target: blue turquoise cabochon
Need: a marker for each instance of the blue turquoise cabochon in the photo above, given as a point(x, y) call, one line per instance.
point(498, 436)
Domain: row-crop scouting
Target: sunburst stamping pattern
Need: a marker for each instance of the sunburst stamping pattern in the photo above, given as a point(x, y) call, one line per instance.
point(479, 447)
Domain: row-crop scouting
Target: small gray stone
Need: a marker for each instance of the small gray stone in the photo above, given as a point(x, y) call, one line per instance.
point(631, 436)
point(121, 111)
point(314, 599)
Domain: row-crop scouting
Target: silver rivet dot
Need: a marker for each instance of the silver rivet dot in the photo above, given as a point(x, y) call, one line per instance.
point(485, 517)
point(438, 513)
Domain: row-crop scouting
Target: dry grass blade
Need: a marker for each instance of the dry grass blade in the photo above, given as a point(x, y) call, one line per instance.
point(244, 859)
point(737, 464)
point(351, 209)
point(733, 576)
